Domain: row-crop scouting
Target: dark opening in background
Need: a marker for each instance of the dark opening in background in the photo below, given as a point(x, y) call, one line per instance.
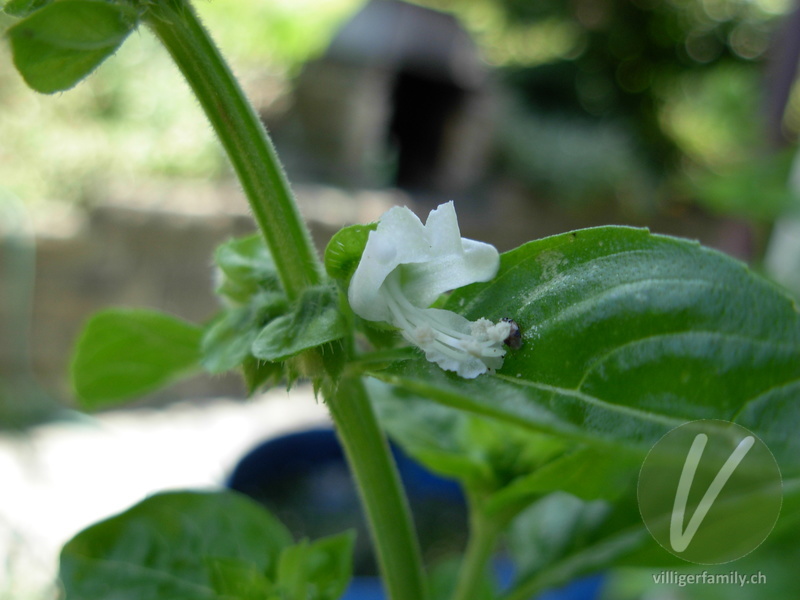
point(422, 107)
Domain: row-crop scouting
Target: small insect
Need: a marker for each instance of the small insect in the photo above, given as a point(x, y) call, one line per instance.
point(514, 339)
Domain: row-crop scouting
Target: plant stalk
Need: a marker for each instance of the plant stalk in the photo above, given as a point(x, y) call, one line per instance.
point(244, 138)
point(483, 534)
point(254, 159)
point(382, 495)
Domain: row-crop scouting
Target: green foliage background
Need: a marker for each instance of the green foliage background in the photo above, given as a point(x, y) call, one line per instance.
point(701, 110)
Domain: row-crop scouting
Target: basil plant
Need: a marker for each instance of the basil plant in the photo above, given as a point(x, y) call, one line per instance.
point(538, 379)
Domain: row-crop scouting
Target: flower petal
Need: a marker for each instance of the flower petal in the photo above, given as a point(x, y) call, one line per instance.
point(399, 239)
point(406, 265)
point(475, 261)
point(432, 258)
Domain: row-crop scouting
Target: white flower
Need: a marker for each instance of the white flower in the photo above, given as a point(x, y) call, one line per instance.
point(406, 266)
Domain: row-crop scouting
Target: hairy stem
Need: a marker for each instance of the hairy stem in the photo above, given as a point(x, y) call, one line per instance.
point(381, 493)
point(239, 129)
point(244, 138)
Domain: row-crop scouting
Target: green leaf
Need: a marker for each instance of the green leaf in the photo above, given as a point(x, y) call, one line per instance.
point(60, 44)
point(483, 454)
point(589, 472)
point(177, 545)
point(319, 570)
point(343, 252)
point(235, 578)
point(22, 8)
point(561, 537)
point(627, 335)
point(124, 353)
point(315, 320)
point(555, 526)
point(250, 284)
point(247, 268)
point(227, 341)
point(259, 374)
point(509, 466)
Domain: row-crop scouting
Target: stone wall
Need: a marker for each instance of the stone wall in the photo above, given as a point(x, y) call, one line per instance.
point(149, 247)
point(152, 247)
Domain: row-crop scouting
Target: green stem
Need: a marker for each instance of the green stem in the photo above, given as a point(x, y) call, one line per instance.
point(381, 493)
point(483, 534)
point(244, 138)
point(253, 157)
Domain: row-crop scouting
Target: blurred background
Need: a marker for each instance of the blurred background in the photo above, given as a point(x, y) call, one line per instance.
point(535, 117)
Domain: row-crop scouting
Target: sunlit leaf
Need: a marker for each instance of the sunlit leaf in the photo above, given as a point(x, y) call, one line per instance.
point(60, 44)
point(124, 353)
point(627, 335)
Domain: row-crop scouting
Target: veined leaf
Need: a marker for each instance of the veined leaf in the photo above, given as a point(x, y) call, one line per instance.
point(203, 546)
point(627, 335)
point(507, 466)
point(315, 320)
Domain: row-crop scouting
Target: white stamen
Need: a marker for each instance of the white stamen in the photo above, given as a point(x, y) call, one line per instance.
point(475, 349)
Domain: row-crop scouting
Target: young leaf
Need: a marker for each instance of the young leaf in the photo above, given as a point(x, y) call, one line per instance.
point(250, 284)
point(627, 335)
point(555, 526)
point(237, 579)
point(260, 374)
point(61, 43)
point(343, 252)
point(247, 268)
point(227, 341)
point(318, 570)
point(123, 353)
point(316, 320)
point(203, 546)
